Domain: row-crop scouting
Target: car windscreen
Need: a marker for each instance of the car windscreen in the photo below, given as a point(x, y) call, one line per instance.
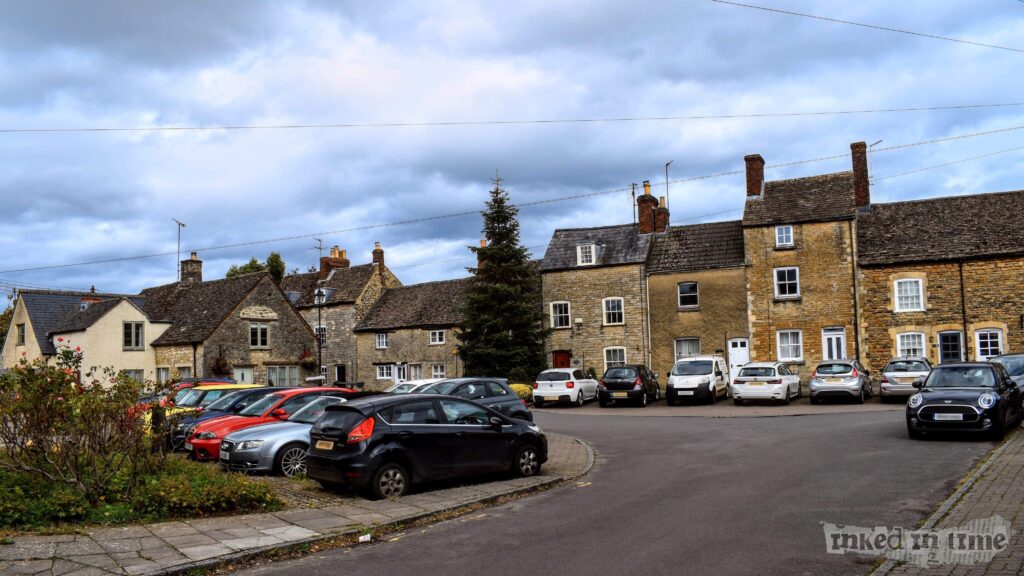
point(757, 372)
point(314, 410)
point(961, 377)
point(694, 368)
point(264, 404)
point(906, 366)
point(339, 419)
point(181, 394)
point(439, 388)
point(225, 401)
point(834, 368)
point(1013, 364)
point(620, 373)
point(189, 399)
point(554, 377)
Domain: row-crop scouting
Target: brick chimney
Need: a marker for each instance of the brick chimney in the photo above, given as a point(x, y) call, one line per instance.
point(191, 270)
point(378, 253)
point(645, 205)
point(661, 216)
point(337, 259)
point(755, 174)
point(861, 184)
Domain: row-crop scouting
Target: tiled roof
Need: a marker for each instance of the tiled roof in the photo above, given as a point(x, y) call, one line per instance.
point(47, 309)
point(346, 283)
point(947, 228)
point(812, 199)
point(622, 244)
point(195, 311)
point(82, 319)
point(697, 247)
point(418, 306)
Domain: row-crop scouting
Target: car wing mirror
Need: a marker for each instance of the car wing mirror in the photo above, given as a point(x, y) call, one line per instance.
point(497, 422)
point(279, 413)
point(919, 383)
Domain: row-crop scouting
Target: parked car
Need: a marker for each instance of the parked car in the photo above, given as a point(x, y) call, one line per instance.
point(899, 375)
point(967, 396)
point(387, 443)
point(226, 405)
point(1014, 364)
point(563, 385)
point(183, 387)
point(493, 393)
point(629, 383)
point(278, 447)
point(411, 386)
point(765, 381)
point(698, 377)
point(204, 442)
point(846, 379)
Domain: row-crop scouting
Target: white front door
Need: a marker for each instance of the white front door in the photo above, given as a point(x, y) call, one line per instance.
point(739, 354)
point(833, 343)
point(243, 375)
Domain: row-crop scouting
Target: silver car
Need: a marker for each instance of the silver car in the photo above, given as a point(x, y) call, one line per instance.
point(411, 386)
point(278, 447)
point(840, 379)
point(1014, 364)
point(899, 375)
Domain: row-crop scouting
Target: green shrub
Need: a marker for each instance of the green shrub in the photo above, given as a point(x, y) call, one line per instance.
point(27, 503)
point(524, 391)
point(192, 489)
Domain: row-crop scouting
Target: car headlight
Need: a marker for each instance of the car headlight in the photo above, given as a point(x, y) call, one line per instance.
point(987, 400)
point(915, 401)
point(250, 445)
point(531, 427)
point(207, 436)
point(705, 380)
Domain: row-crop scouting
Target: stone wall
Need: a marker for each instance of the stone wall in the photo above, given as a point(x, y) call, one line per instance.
point(12, 352)
point(340, 343)
point(410, 346)
point(177, 357)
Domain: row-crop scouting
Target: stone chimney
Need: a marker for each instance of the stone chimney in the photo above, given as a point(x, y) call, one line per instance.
point(861, 184)
point(337, 259)
point(191, 271)
point(645, 205)
point(755, 174)
point(661, 216)
point(378, 253)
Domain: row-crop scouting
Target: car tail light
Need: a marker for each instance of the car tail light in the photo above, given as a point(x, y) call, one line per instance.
point(570, 384)
point(737, 381)
point(536, 385)
point(361, 432)
point(776, 381)
point(525, 405)
point(855, 374)
point(600, 383)
point(885, 379)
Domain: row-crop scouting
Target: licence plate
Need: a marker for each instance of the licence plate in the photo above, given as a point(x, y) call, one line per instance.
point(552, 398)
point(755, 383)
point(949, 416)
point(905, 380)
point(833, 380)
point(224, 455)
point(620, 395)
point(188, 446)
point(684, 392)
point(324, 445)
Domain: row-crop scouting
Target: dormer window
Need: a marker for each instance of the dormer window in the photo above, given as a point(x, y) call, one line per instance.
point(585, 255)
point(293, 297)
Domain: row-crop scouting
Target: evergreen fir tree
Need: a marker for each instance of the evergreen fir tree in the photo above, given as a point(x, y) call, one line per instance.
point(503, 324)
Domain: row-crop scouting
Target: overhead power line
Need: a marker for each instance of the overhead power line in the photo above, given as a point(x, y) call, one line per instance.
point(873, 26)
point(521, 205)
point(944, 164)
point(508, 122)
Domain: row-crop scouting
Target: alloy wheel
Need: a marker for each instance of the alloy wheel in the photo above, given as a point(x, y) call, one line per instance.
point(526, 463)
point(392, 483)
point(293, 462)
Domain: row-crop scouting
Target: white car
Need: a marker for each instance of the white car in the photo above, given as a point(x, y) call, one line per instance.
point(765, 381)
point(563, 385)
point(411, 386)
point(698, 377)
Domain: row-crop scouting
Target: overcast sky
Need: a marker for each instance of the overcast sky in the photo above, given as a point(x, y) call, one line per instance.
point(75, 197)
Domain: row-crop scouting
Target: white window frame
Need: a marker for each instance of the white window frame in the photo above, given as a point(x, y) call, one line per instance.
point(896, 294)
point(900, 347)
point(608, 365)
point(415, 371)
point(381, 341)
point(621, 311)
point(781, 232)
point(679, 295)
point(436, 337)
point(401, 372)
point(262, 334)
point(977, 342)
point(163, 374)
point(385, 371)
point(321, 334)
point(675, 346)
point(283, 375)
point(580, 260)
point(184, 371)
point(568, 314)
point(779, 346)
point(438, 371)
point(829, 332)
point(775, 282)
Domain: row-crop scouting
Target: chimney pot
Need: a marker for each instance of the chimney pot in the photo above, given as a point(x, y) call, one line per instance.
point(861, 181)
point(336, 260)
point(195, 256)
point(344, 254)
point(755, 174)
point(647, 187)
point(335, 252)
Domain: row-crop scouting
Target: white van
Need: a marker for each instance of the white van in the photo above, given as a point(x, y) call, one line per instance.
point(704, 378)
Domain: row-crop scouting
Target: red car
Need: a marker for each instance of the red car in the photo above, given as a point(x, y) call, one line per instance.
point(204, 442)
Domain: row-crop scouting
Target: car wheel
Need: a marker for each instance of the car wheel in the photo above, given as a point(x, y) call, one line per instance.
point(602, 402)
point(863, 397)
point(538, 403)
point(579, 399)
point(999, 428)
point(799, 391)
point(389, 481)
point(669, 401)
point(657, 394)
point(643, 400)
point(914, 434)
point(815, 400)
point(712, 394)
point(291, 460)
point(787, 398)
point(737, 401)
point(526, 462)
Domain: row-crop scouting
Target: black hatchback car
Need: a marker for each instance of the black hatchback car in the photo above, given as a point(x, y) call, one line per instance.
point(493, 393)
point(630, 383)
point(968, 397)
point(384, 444)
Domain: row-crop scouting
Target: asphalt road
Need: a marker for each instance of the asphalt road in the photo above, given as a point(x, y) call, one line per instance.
point(687, 496)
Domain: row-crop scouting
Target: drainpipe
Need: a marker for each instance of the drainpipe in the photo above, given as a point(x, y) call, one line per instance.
point(856, 295)
point(646, 279)
point(195, 368)
point(963, 307)
point(645, 332)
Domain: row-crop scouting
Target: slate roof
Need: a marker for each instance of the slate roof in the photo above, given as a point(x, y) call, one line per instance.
point(347, 284)
point(819, 198)
point(430, 304)
point(195, 311)
point(616, 245)
point(697, 247)
point(949, 228)
point(47, 309)
point(82, 319)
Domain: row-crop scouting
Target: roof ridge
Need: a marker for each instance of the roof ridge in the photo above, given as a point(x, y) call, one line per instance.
point(429, 283)
point(595, 227)
point(826, 175)
point(73, 293)
point(947, 197)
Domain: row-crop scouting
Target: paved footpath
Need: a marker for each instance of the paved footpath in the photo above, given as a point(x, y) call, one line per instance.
point(174, 547)
point(997, 489)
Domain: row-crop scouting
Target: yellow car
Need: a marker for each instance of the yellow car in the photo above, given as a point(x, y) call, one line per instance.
point(189, 400)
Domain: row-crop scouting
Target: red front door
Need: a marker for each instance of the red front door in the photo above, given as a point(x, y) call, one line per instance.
point(560, 359)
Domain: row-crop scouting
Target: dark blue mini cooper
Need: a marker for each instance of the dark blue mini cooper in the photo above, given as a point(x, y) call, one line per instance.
point(968, 397)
